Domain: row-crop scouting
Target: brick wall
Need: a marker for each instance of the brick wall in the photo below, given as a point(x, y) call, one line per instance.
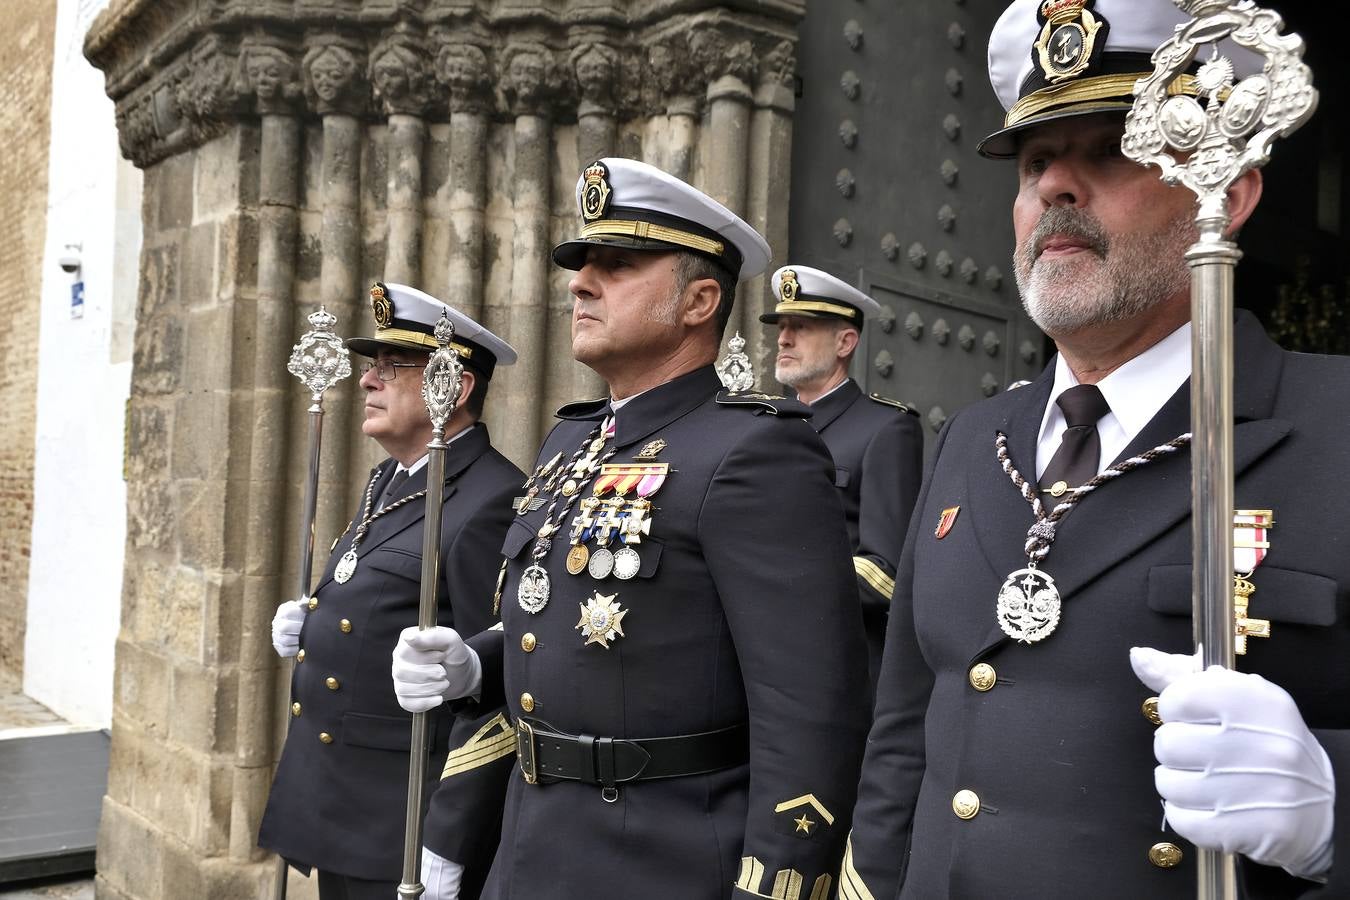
point(25, 120)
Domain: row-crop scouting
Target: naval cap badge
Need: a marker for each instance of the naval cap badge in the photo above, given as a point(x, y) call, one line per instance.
point(788, 288)
point(595, 192)
point(1070, 36)
point(381, 304)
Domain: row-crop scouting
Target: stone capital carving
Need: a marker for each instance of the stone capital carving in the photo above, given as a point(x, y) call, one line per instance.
point(400, 75)
point(333, 80)
point(268, 73)
point(779, 64)
point(527, 78)
point(463, 68)
point(595, 67)
point(675, 78)
point(721, 56)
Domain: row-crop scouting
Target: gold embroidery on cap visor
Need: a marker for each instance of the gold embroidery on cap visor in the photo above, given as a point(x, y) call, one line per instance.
point(790, 307)
point(1117, 89)
point(418, 339)
point(382, 307)
point(649, 231)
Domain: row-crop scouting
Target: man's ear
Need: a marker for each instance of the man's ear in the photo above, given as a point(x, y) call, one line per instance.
point(468, 381)
point(701, 299)
point(845, 342)
point(1243, 196)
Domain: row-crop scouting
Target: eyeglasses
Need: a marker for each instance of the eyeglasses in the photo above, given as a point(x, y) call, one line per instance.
point(387, 369)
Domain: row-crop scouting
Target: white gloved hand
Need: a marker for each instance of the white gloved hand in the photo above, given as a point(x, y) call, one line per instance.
point(440, 877)
point(433, 665)
point(286, 626)
point(1239, 771)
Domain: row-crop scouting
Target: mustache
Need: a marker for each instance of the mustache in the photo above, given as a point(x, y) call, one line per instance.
point(1067, 221)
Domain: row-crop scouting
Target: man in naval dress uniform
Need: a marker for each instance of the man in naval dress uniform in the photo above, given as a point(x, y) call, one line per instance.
point(339, 799)
point(682, 652)
point(1040, 729)
point(876, 442)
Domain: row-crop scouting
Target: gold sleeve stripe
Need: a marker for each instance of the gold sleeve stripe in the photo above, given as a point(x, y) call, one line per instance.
point(787, 885)
point(806, 800)
point(851, 886)
point(822, 889)
point(482, 748)
point(752, 873)
point(874, 575)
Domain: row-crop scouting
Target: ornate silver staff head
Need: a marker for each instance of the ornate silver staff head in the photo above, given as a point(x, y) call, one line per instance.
point(443, 378)
point(320, 360)
point(1208, 141)
point(735, 370)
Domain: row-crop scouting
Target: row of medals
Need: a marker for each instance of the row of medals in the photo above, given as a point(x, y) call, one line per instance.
point(599, 518)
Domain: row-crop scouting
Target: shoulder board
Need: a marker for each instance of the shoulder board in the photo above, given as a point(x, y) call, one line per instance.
point(581, 409)
point(887, 401)
point(760, 402)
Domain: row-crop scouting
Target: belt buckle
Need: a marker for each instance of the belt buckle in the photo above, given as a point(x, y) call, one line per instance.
point(525, 751)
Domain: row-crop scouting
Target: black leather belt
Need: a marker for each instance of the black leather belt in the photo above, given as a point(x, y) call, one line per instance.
point(546, 755)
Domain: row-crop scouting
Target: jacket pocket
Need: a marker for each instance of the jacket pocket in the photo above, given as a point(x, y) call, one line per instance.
point(1282, 595)
point(395, 562)
point(393, 732)
point(841, 478)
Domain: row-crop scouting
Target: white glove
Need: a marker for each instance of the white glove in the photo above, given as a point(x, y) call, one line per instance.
point(433, 665)
point(1238, 769)
point(440, 877)
point(286, 626)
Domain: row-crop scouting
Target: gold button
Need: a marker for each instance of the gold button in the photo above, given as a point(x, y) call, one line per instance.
point(300, 657)
point(1165, 855)
point(295, 709)
point(325, 737)
point(527, 702)
point(982, 676)
point(313, 603)
point(966, 804)
point(1058, 488)
point(1150, 710)
point(332, 683)
point(527, 642)
point(346, 626)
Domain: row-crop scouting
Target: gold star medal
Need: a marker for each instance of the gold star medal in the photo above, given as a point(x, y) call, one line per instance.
point(601, 619)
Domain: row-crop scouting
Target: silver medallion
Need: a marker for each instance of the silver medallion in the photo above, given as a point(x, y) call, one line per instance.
point(1028, 606)
point(346, 567)
point(532, 592)
point(626, 563)
point(601, 564)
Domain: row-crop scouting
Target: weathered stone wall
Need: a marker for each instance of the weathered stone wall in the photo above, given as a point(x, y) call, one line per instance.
point(26, 43)
point(293, 153)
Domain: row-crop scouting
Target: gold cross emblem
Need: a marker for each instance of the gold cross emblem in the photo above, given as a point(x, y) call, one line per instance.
point(1245, 627)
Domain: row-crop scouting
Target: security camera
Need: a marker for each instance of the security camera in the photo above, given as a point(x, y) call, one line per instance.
point(70, 260)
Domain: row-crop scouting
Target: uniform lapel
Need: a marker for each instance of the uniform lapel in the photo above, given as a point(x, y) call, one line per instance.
point(832, 406)
point(1120, 518)
point(649, 412)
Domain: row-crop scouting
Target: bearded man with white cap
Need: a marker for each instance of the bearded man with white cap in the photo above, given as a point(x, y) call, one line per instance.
point(339, 799)
point(695, 733)
point(1014, 754)
point(876, 442)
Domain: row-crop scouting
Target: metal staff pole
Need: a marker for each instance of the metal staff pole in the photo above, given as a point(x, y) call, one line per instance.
point(441, 386)
point(320, 361)
point(1207, 147)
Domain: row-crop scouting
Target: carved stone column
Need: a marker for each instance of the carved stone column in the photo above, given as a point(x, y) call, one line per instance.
point(269, 76)
point(527, 74)
point(680, 83)
point(463, 68)
point(336, 90)
point(400, 75)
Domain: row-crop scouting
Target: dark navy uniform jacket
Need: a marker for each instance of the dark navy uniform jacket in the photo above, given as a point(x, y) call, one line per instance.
point(1057, 750)
point(877, 446)
point(339, 805)
point(744, 610)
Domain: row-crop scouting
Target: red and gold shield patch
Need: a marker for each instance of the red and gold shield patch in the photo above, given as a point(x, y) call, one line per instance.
point(945, 521)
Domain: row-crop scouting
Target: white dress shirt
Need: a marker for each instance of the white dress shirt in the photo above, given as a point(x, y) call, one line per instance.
point(1135, 392)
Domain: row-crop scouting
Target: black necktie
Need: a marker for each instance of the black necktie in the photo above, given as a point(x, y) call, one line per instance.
point(391, 491)
point(1080, 450)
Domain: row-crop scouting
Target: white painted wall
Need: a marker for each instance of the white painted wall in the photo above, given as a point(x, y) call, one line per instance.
point(83, 380)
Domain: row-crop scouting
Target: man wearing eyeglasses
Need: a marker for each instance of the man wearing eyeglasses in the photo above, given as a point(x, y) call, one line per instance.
point(338, 802)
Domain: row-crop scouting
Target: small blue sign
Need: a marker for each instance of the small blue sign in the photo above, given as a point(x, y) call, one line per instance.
point(77, 300)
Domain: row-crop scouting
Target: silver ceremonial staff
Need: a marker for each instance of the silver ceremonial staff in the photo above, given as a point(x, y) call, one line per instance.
point(441, 386)
point(1207, 146)
point(320, 361)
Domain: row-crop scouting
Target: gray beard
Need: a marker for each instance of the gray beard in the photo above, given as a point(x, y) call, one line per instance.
point(803, 372)
point(1132, 274)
